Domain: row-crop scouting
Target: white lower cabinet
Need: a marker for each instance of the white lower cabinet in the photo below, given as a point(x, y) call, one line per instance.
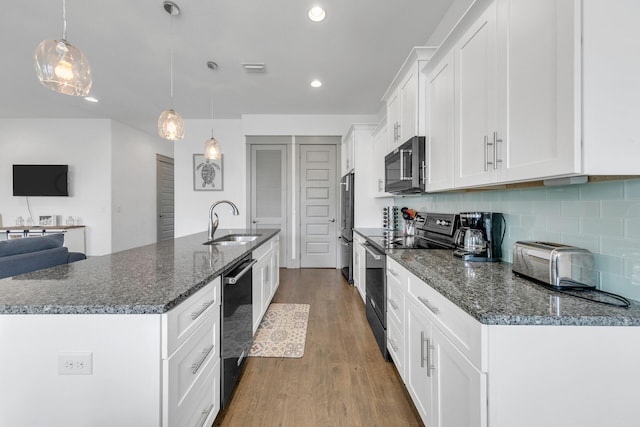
point(460, 372)
point(191, 359)
point(447, 388)
point(359, 265)
point(396, 291)
point(459, 396)
point(266, 278)
point(417, 372)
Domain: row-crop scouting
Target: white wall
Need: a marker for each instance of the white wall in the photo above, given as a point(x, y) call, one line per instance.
point(192, 207)
point(83, 144)
point(133, 169)
point(112, 177)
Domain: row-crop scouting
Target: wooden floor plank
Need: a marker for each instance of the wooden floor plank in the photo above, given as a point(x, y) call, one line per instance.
point(342, 379)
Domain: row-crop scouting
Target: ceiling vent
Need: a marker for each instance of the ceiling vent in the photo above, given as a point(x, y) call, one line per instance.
point(253, 67)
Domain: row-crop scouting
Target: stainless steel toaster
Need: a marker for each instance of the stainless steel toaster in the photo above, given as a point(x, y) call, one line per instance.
point(553, 263)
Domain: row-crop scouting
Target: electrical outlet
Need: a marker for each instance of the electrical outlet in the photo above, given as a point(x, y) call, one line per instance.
point(75, 363)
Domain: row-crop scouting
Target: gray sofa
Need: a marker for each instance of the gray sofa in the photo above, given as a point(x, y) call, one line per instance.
point(19, 256)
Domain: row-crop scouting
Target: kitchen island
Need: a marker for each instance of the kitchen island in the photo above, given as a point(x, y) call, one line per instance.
point(101, 342)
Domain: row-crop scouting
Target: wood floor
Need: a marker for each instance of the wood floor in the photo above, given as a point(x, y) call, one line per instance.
point(341, 380)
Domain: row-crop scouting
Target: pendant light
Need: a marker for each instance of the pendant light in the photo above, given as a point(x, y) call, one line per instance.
point(170, 123)
point(62, 67)
point(212, 150)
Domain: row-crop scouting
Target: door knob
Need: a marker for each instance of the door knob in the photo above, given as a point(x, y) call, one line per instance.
point(332, 220)
point(255, 221)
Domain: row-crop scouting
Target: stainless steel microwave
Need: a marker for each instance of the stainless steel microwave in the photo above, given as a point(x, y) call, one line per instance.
point(404, 167)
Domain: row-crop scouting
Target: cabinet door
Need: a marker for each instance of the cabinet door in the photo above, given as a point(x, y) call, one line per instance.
point(393, 120)
point(475, 61)
point(275, 267)
point(460, 390)
point(359, 269)
point(538, 116)
point(408, 108)
point(380, 149)
point(261, 289)
point(356, 263)
point(348, 147)
point(417, 371)
point(439, 156)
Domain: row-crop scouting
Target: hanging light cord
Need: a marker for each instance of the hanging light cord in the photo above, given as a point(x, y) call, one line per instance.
point(64, 19)
point(171, 60)
point(171, 68)
point(212, 114)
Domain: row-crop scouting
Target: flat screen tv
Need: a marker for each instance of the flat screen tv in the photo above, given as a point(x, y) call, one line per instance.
point(40, 180)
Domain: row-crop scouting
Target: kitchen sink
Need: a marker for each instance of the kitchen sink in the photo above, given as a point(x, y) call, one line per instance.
point(233, 239)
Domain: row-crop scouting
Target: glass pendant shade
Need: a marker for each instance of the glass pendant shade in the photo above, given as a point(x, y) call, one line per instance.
point(171, 125)
point(63, 68)
point(212, 149)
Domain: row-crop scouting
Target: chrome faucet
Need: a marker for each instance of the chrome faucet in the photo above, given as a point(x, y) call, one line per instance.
point(213, 224)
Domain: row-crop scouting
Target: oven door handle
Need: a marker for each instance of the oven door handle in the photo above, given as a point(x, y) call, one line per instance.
point(377, 256)
point(233, 280)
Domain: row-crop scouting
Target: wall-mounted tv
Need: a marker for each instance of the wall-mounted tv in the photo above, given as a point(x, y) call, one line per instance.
point(40, 180)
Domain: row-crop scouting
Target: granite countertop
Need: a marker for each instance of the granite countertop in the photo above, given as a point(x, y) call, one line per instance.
point(150, 279)
point(493, 295)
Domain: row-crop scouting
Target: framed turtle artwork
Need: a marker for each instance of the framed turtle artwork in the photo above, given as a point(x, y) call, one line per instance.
point(207, 174)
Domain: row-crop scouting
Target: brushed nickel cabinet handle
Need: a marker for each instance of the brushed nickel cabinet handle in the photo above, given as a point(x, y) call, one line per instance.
point(204, 307)
point(195, 367)
point(428, 304)
point(204, 415)
point(495, 150)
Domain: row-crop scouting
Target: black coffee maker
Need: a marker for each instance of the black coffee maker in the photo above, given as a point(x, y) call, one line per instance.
point(480, 236)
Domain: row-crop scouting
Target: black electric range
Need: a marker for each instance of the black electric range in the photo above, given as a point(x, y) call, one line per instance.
point(432, 231)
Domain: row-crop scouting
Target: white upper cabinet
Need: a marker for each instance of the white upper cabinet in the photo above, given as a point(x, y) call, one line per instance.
point(380, 150)
point(538, 121)
point(611, 66)
point(440, 129)
point(405, 108)
point(516, 115)
point(541, 90)
point(348, 152)
point(475, 118)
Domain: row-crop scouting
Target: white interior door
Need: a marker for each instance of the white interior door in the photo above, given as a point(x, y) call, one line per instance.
point(318, 187)
point(269, 190)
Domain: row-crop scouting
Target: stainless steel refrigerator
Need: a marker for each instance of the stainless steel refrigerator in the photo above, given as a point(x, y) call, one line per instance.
point(346, 225)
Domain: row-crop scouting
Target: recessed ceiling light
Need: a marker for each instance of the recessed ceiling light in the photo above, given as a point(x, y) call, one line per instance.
point(316, 83)
point(317, 14)
point(91, 99)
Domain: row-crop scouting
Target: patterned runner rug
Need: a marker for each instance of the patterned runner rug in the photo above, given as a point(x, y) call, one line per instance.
point(282, 332)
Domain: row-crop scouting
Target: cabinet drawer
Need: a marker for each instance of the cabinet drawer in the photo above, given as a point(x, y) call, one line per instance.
point(397, 274)
point(395, 345)
point(190, 363)
point(263, 250)
point(179, 323)
point(464, 331)
point(395, 301)
point(201, 405)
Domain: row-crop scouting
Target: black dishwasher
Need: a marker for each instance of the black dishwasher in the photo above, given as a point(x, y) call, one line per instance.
point(237, 323)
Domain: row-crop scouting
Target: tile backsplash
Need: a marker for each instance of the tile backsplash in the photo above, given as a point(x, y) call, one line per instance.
point(603, 217)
